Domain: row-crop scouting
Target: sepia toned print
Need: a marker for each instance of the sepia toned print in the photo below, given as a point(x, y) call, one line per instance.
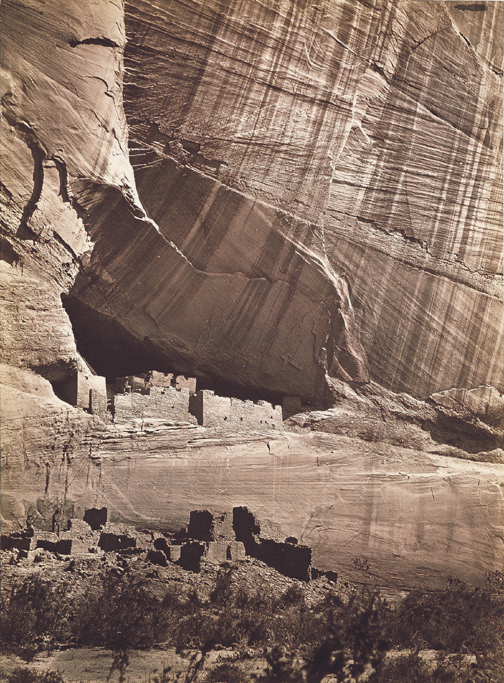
point(251, 335)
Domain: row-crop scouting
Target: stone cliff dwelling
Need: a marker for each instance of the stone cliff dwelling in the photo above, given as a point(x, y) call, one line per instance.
point(215, 537)
point(167, 396)
point(261, 206)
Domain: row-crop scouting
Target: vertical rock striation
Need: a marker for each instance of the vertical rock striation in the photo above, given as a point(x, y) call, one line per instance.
point(286, 196)
point(322, 187)
point(368, 133)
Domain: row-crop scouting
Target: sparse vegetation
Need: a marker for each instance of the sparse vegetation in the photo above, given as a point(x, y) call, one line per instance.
point(344, 634)
point(25, 675)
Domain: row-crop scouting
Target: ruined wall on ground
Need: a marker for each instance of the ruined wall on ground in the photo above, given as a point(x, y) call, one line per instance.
point(289, 193)
point(376, 513)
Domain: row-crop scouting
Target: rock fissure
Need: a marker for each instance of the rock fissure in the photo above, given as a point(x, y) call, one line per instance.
point(103, 41)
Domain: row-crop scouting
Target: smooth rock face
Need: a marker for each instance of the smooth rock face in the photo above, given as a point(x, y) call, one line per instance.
point(323, 186)
point(371, 511)
point(374, 131)
point(61, 118)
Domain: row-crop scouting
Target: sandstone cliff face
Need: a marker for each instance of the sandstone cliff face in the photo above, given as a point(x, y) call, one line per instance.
point(322, 187)
point(374, 512)
point(367, 133)
point(278, 196)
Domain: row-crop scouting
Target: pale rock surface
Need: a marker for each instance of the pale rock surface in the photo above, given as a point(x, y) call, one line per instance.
point(314, 197)
point(323, 185)
point(368, 133)
point(374, 512)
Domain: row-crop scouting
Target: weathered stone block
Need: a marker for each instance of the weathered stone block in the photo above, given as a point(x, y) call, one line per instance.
point(161, 543)
point(245, 526)
point(97, 403)
point(17, 540)
point(223, 526)
point(173, 552)
point(110, 542)
point(136, 383)
point(84, 390)
point(290, 560)
point(218, 551)
point(191, 554)
point(165, 403)
point(62, 546)
point(183, 382)
point(201, 525)
point(236, 551)
point(161, 379)
point(96, 517)
point(220, 411)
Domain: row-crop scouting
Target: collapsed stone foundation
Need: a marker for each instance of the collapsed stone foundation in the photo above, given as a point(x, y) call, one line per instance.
point(208, 537)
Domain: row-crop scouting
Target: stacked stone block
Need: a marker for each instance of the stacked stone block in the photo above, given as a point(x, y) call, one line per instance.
point(85, 390)
point(222, 411)
point(158, 402)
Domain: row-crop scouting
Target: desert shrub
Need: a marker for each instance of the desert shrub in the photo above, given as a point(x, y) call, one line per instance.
point(25, 675)
point(353, 642)
point(408, 667)
point(294, 595)
point(116, 612)
point(33, 616)
point(227, 672)
point(459, 619)
point(343, 635)
point(120, 614)
point(281, 668)
point(223, 588)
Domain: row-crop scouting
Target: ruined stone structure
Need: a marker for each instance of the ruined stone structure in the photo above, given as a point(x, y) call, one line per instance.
point(85, 390)
point(96, 517)
point(313, 202)
point(154, 394)
point(142, 383)
point(124, 385)
point(286, 557)
point(215, 411)
point(156, 402)
point(165, 396)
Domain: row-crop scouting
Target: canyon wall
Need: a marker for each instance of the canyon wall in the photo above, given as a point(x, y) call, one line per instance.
point(314, 191)
point(369, 134)
point(276, 197)
point(373, 512)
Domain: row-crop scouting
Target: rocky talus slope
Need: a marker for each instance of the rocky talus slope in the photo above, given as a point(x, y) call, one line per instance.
point(278, 198)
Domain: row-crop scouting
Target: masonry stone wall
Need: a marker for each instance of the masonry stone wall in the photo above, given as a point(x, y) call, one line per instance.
point(85, 390)
point(222, 411)
point(165, 403)
point(161, 379)
point(183, 382)
point(287, 557)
